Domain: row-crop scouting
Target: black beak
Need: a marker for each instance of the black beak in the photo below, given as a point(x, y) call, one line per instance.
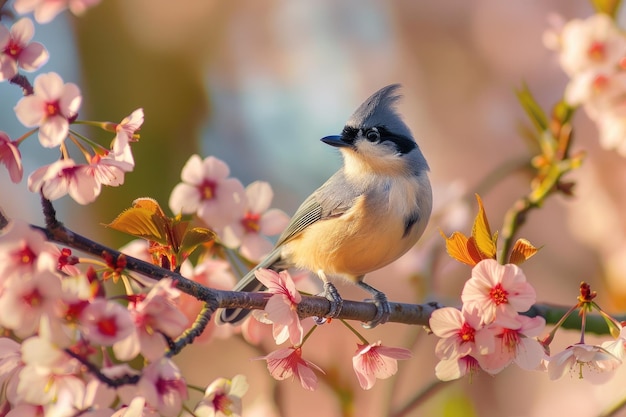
point(336, 141)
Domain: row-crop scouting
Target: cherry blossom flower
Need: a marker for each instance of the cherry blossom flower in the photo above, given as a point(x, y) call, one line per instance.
point(17, 50)
point(257, 221)
point(451, 369)
point(592, 43)
point(137, 408)
point(24, 251)
point(516, 345)
point(497, 289)
point(46, 10)
point(26, 299)
point(107, 171)
point(163, 387)
point(462, 333)
point(154, 316)
point(106, 322)
point(376, 361)
point(11, 157)
point(65, 177)
point(285, 363)
point(207, 191)
point(212, 273)
point(42, 387)
point(125, 132)
point(223, 398)
point(50, 108)
point(48, 371)
point(282, 308)
point(10, 366)
point(586, 361)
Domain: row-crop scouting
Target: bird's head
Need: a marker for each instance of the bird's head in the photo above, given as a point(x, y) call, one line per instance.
point(376, 141)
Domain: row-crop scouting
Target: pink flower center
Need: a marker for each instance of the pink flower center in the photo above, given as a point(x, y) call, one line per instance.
point(33, 298)
point(499, 295)
point(207, 189)
point(222, 403)
point(251, 221)
point(25, 256)
point(597, 51)
point(467, 333)
point(510, 339)
point(107, 326)
point(165, 386)
point(600, 82)
point(13, 49)
point(53, 108)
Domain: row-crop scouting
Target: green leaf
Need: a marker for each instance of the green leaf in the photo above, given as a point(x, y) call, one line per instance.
point(196, 237)
point(532, 108)
point(609, 7)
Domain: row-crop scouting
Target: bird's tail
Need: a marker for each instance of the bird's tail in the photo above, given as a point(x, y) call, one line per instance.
point(248, 283)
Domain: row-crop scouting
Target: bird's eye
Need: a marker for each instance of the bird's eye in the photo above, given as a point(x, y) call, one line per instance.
point(372, 135)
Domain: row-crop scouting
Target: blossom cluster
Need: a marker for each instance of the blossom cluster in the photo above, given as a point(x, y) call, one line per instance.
point(64, 320)
point(488, 332)
point(371, 361)
point(592, 52)
point(50, 109)
point(242, 217)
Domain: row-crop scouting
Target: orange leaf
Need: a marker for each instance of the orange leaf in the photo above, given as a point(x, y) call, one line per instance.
point(522, 251)
point(144, 219)
point(485, 242)
point(457, 247)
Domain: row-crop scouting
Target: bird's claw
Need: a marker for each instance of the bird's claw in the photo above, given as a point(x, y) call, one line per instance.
point(383, 310)
point(336, 303)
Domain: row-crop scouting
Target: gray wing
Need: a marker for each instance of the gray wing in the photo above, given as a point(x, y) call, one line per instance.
point(332, 199)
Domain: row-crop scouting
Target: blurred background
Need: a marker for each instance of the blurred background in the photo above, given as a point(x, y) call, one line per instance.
point(257, 83)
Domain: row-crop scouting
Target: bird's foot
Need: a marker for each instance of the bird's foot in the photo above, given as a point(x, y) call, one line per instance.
point(383, 308)
point(336, 303)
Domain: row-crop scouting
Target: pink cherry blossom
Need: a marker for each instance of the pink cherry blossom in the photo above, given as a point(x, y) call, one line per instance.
point(125, 132)
point(107, 171)
point(376, 361)
point(46, 10)
point(282, 308)
point(24, 251)
point(137, 408)
point(223, 398)
point(25, 300)
point(10, 366)
point(462, 333)
point(16, 49)
point(516, 345)
point(50, 108)
point(11, 157)
point(496, 289)
point(164, 387)
point(41, 386)
point(106, 322)
point(212, 273)
point(583, 361)
point(207, 191)
point(258, 220)
point(154, 316)
point(285, 363)
point(451, 369)
point(65, 177)
point(592, 43)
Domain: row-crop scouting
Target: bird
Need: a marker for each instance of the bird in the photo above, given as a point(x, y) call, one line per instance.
point(365, 216)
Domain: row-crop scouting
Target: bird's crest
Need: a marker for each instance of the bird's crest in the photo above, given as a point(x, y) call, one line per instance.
point(379, 110)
